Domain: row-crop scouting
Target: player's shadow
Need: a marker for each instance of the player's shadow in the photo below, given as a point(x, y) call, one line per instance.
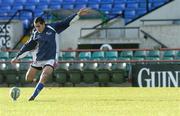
point(45, 100)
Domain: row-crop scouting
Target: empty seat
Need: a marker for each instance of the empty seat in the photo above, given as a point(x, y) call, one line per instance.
point(75, 73)
point(85, 55)
point(17, 7)
point(140, 53)
point(94, 1)
point(119, 6)
point(69, 55)
point(7, 2)
point(81, 1)
point(98, 55)
point(106, 1)
point(118, 73)
point(93, 6)
point(111, 55)
point(169, 53)
point(106, 7)
point(42, 7)
point(79, 6)
point(167, 58)
point(32, 2)
point(61, 73)
point(68, 1)
point(130, 13)
point(154, 59)
point(119, 1)
point(67, 6)
point(126, 53)
point(89, 73)
point(103, 73)
point(30, 7)
point(55, 6)
point(154, 53)
point(141, 11)
point(4, 55)
point(132, 5)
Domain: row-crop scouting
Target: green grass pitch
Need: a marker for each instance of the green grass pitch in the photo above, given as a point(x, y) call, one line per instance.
point(93, 101)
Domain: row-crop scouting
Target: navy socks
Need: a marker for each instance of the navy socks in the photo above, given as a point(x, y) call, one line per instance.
point(38, 88)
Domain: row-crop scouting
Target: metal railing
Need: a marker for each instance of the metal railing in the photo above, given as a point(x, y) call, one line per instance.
point(123, 31)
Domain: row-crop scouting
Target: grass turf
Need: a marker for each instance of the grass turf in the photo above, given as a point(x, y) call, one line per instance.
point(93, 101)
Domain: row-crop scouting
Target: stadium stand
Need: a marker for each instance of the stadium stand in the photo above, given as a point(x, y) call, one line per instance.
point(131, 8)
point(103, 67)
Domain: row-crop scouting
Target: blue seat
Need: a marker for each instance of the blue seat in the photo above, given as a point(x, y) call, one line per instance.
point(45, 1)
point(156, 4)
point(16, 7)
point(94, 1)
point(7, 2)
point(93, 6)
point(131, 1)
point(141, 11)
point(119, 1)
point(130, 14)
point(121, 6)
point(31, 7)
point(26, 15)
point(42, 7)
point(132, 5)
point(55, 2)
point(69, 1)
point(32, 2)
point(38, 13)
point(82, 1)
point(68, 6)
point(142, 5)
point(55, 6)
point(106, 1)
point(106, 7)
point(79, 6)
point(5, 8)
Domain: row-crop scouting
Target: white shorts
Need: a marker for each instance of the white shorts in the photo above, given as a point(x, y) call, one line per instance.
point(41, 64)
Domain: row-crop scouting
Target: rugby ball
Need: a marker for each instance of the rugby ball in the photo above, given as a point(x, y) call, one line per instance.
point(14, 93)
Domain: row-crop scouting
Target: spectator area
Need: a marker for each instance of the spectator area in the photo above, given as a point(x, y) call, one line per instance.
point(87, 66)
point(131, 8)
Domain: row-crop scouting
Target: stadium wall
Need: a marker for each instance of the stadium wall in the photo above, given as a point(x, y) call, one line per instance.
point(164, 31)
point(69, 38)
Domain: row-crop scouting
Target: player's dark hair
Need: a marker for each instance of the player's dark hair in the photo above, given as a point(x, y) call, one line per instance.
point(39, 20)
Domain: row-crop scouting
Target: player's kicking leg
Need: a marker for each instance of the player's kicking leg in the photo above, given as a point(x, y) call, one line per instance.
point(46, 72)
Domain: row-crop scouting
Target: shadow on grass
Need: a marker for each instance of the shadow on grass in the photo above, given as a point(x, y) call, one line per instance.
point(45, 101)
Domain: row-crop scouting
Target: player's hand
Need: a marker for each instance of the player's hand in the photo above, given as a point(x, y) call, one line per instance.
point(83, 11)
point(14, 60)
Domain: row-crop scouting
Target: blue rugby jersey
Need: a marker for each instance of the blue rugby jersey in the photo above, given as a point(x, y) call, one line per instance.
point(45, 42)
